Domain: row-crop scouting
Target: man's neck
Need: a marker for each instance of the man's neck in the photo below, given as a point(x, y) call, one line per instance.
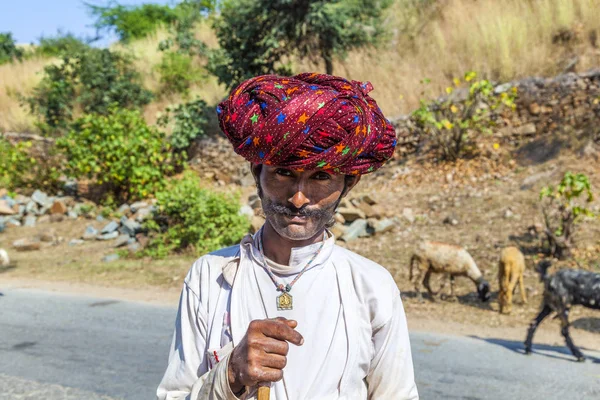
point(279, 249)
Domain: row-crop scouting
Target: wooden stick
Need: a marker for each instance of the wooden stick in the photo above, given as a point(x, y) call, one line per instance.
point(264, 392)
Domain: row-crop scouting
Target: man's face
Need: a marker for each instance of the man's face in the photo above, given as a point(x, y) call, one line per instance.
point(298, 205)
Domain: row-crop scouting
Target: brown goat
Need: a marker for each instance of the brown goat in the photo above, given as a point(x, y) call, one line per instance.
point(510, 271)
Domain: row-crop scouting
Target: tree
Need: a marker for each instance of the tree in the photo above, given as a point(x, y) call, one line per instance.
point(8, 49)
point(255, 36)
point(563, 209)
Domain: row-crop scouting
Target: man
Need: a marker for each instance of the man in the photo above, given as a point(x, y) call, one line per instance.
point(287, 308)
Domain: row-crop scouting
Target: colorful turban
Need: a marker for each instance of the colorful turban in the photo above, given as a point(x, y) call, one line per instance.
point(308, 121)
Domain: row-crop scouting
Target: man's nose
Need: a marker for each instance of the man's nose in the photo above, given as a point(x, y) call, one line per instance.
point(299, 199)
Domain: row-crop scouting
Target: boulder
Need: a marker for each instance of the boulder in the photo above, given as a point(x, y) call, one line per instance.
point(112, 226)
point(370, 211)
point(5, 209)
point(58, 207)
point(31, 207)
point(351, 214)
point(108, 236)
point(30, 221)
point(138, 205)
point(41, 199)
point(124, 210)
point(144, 213)
point(26, 244)
point(90, 233)
point(338, 230)
point(356, 229)
point(122, 240)
point(129, 227)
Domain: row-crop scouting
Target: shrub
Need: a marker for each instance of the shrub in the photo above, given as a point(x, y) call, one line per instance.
point(189, 217)
point(8, 49)
point(22, 165)
point(563, 208)
point(453, 125)
point(61, 45)
point(178, 73)
point(189, 122)
point(92, 80)
point(118, 150)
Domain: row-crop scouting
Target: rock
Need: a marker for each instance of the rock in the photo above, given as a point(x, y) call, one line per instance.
point(256, 223)
point(370, 211)
point(247, 211)
point(43, 210)
point(369, 199)
point(4, 259)
point(256, 204)
point(20, 199)
point(41, 199)
point(351, 214)
point(138, 205)
point(142, 239)
point(338, 230)
point(90, 233)
point(144, 213)
point(408, 214)
point(71, 187)
point(130, 227)
point(13, 222)
point(385, 225)
point(49, 236)
point(535, 109)
point(100, 218)
point(508, 213)
point(31, 207)
point(121, 241)
point(355, 230)
point(112, 226)
point(339, 218)
point(110, 258)
point(134, 247)
point(2, 226)
point(76, 242)
point(524, 130)
point(5, 209)
point(108, 236)
point(53, 218)
point(26, 244)
point(450, 220)
point(58, 207)
point(72, 214)
point(124, 210)
point(30, 221)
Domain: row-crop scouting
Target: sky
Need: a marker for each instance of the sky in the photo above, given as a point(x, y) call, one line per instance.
point(30, 19)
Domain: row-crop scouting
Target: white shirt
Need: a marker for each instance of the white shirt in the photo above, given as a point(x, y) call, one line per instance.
point(349, 313)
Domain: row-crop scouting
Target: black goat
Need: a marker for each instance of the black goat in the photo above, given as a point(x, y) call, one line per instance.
point(564, 289)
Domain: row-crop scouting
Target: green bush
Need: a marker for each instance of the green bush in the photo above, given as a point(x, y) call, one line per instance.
point(8, 49)
point(61, 45)
point(178, 73)
point(454, 125)
point(189, 122)
point(118, 150)
point(22, 166)
point(189, 217)
point(133, 22)
point(91, 80)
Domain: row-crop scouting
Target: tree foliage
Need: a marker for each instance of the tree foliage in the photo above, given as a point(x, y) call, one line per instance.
point(257, 36)
point(453, 124)
point(8, 49)
point(563, 207)
point(188, 121)
point(61, 45)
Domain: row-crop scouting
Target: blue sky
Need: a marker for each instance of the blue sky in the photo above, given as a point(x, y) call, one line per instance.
point(30, 19)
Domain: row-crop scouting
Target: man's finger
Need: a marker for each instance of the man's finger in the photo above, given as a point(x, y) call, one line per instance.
point(281, 330)
point(274, 361)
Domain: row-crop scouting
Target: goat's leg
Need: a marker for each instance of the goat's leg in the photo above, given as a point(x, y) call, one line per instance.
point(452, 295)
point(418, 281)
point(564, 323)
point(533, 326)
point(427, 284)
point(522, 289)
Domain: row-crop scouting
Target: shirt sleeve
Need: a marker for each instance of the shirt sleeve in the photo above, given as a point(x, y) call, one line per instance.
point(391, 375)
point(187, 376)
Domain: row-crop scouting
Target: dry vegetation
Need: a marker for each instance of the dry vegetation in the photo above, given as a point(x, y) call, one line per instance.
point(502, 40)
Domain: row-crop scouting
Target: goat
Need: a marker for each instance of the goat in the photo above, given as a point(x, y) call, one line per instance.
point(564, 289)
point(434, 257)
point(4, 260)
point(510, 272)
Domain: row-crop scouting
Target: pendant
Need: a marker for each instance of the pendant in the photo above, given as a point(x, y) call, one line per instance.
point(284, 301)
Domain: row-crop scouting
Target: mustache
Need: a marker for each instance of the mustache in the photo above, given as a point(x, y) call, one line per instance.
point(275, 208)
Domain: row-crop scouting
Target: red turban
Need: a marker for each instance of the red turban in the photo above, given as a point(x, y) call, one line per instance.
point(308, 121)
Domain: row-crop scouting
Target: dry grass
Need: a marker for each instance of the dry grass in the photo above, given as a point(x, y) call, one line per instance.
point(502, 40)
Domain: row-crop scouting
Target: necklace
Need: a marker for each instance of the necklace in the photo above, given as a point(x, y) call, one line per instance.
point(285, 299)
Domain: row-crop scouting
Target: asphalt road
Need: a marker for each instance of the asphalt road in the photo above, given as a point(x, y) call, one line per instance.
point(60, 347)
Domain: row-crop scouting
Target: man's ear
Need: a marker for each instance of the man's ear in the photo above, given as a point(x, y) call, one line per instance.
point(350, 182)
point(255, 169)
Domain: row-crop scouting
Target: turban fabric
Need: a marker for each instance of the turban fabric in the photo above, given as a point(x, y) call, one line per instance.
point(308, 121)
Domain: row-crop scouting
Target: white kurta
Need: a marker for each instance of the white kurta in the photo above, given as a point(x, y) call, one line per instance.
point(348, 309)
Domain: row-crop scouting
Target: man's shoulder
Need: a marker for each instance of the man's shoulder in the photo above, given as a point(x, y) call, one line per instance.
point(210, 266)
point(364, 269)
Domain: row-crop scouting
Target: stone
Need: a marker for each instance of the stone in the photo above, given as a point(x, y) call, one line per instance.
point(338, 230)
point(13, 222)
point(355, 230)
point(100, 218)
point(508, 213)
point(58, 208)
point(30, 221)
point(76, 242)
point(370, 211)
point(351, 214)
point(339, 218)
point(26, 244)
point(41, 199)
point(256, 204)
point(31, 207)
point(385, 225)
point(408, 214)
point(2, 226)
point(450, 220)
point(72, 214)
point(112, 226)
point(108, 236)
point(124, 210)
point(256, 223)
point(49, 236)
point(122, 240)
point(5, 209)
point(369, 199)
point(53, 218)
point(110, 258)
point(20, 199)
point(144, 213)
point(535, 109)
point(247, 211)
point(43, 210)
point(142, 239)
point(524, 130)
point(138, 205)
point(134, 247)
point(71, 187)
point(130, 227)
point(90, 233)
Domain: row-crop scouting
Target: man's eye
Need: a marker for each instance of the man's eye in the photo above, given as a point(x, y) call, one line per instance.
point(322, 176)
point(283, 172)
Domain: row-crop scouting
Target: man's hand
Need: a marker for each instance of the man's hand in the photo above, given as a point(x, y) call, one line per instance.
point(261, 355)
